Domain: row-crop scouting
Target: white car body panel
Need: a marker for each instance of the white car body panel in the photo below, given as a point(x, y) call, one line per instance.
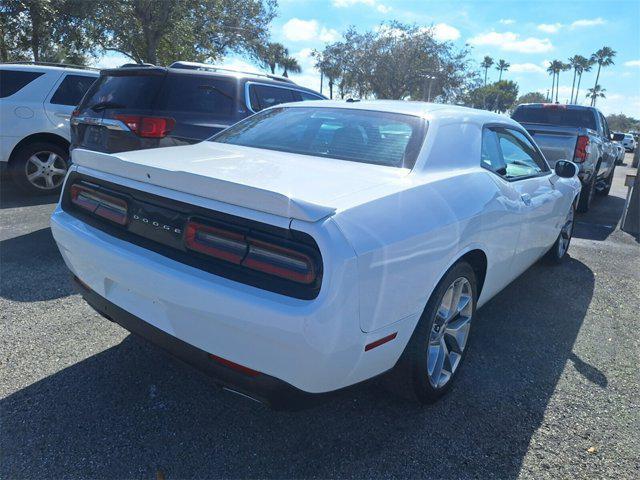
point(386, 235)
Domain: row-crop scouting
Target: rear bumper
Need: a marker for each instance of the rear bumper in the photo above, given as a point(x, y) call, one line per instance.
point(276, 393)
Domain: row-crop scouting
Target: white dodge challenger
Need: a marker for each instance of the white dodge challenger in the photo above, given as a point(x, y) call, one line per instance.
point(316, 245)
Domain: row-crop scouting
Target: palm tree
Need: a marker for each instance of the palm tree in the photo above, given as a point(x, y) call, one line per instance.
point(551, 70)
point(585, 66)
point(290, 64)
point(486, 64)
point(272, 54)
point(575, 62)
point(604, 58)
point(502, 66)
point(595, 93)
point(562, 67)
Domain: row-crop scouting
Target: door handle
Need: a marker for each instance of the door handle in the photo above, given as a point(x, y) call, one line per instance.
point(526, 199)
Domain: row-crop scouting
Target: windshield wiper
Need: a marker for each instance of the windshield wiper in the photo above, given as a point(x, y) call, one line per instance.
point(216, 89)
point(100, 106)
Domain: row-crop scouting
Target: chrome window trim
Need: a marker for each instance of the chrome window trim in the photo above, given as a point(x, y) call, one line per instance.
point(247, 97)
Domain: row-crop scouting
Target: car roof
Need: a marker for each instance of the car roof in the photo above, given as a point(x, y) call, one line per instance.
point(559, 105)
point(27, 67)
point(406, 107)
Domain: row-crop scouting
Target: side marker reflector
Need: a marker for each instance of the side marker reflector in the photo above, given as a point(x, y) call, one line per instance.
point(382, 341)
point(238, 368)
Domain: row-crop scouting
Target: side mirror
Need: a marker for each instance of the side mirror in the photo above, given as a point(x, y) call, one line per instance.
point(565, 169)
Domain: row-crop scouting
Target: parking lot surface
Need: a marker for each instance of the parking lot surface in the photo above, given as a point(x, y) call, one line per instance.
point(550, 388)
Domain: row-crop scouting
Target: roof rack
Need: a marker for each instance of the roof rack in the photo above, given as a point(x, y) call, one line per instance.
point(54, 64)
point(213, 68)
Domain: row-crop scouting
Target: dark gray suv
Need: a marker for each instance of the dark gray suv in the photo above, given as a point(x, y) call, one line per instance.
point(137, 107)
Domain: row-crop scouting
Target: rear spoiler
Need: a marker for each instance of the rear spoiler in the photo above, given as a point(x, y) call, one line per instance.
point(203, 186)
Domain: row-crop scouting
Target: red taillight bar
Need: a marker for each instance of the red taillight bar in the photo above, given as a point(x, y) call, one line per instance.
point(582, 149)
point(235, 366)
point(259, 255)
point(100, 204)
point(147, 127)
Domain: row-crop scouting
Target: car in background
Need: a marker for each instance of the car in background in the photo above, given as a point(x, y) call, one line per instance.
point(629, 142)
point(576, 133)
point(138, 107)
point(315, 245)
point(617, 138)
point(36, 102)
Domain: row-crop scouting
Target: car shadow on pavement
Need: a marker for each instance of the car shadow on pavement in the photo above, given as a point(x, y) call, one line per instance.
point(12, 197)
point(32, 268)
point(130, 411)
point(601, 219)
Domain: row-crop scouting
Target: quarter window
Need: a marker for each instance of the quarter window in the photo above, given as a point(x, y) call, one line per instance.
point(12, 81)
point(72, 89)
point(264, 96)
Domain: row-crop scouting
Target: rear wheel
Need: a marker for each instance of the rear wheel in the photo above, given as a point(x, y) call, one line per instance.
point(558, 251)
point(586, 195)
point(40, 168)
point(438, 346)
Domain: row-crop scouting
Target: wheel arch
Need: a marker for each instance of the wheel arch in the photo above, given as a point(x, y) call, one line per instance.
point(39, 137)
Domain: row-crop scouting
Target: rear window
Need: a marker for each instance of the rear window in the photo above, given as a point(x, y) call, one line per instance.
point(264, 96)
point(130, 91)
point(380, 138)
point(12, 81)
point(556, 115)
point(199, 94)
point(72, 89)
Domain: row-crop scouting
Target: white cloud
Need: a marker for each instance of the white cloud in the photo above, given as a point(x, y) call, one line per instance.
point(550, 27)
point(370, 3)
point(507, 21)
point(632, 63)
point(112, 60)
point(383, 8)
point(444, 32)
point(511, 42)
point(585, 22)
point(526, 68)
point(297, 30)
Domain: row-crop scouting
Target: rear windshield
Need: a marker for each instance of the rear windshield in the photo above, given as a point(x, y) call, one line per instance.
point(198, 94)
point(127, 91)
point(555, 115)
point(380, 138)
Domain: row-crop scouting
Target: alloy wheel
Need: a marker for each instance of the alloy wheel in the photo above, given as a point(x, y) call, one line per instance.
point(565, 234)
point(45, 170)
point(449, 333)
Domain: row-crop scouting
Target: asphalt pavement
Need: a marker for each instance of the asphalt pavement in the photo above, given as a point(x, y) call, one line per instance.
point(550, 388)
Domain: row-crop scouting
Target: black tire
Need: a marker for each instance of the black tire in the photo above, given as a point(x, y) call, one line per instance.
point(21, 165)
point(557, 253)
point(410, 377)
point(605, 191)
point(587, 193)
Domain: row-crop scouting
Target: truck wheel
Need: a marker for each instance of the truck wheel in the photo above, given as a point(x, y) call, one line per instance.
point(605, 191)
point(40, 168)
point(433, 357)
point(586, 195)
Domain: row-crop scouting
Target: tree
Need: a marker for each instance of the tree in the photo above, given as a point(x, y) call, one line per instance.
point(271, 55)
point(487, 62)
point(561, 67)
point(576, 63)
point(604, 58)
point(531, 97)
point(163, 31)
point(585, 65)
point(595, 93)
point(551, 70)
point(622, 123)
point(499, 96)
point(290, 65)
point(502, 66)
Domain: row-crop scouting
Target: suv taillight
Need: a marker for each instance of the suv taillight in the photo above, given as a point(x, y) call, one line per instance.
point(148, 127)
point(582, 149)
point(99, 203)
point(287, 262)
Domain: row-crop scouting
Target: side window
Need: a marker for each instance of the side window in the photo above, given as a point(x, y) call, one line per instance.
point(309, 96)
point(12, 81)
point(491, 157)
point(510, 154)
point(605, 127)
point(72, 89)
point(263, 96)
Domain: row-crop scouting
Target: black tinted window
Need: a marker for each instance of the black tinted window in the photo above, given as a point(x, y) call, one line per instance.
point(201, 94)
point(556, 115)
point(72, 89)
point(309, 96)
point(12, 81)
point(380, 138)
point(130, 91)
point(263, 96)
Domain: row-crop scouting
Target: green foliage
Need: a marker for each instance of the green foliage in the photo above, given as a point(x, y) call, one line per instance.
point(396, 61)
point(622, 123)
point(531, 97)
point(499, 96)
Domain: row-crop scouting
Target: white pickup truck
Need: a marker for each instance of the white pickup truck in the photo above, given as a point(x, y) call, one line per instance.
point(576, 133)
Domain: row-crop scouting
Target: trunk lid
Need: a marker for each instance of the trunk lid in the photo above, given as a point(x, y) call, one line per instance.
point(285, 184)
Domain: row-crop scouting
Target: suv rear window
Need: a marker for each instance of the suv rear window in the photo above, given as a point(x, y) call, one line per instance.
point(263, 96)
point(72, 89)
point(380, 138)
point(131, 91)
point(12, 81)
point(199, 94)
point(556, 115)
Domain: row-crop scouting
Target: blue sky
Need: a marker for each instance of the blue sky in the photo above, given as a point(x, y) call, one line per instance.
point(526, 34)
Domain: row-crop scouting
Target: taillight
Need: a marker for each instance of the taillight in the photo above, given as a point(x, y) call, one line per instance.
point(99, 203)
point(554, 106)
point(75, 113)
point(148, 127)
point(284, 262)
point(582, 149)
